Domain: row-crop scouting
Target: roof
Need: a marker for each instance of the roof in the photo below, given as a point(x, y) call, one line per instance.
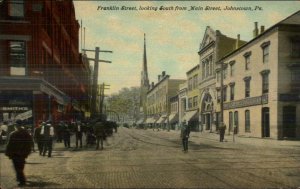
point(293, 19)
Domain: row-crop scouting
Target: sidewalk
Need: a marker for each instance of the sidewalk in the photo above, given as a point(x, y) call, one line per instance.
point(197, 137)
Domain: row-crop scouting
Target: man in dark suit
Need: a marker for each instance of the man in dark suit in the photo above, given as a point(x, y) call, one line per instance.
point(78, 133)
point(18, 149)
point(185, 134)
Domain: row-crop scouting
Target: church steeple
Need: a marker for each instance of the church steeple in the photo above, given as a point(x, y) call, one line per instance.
point(145, 79)
point(144, 83)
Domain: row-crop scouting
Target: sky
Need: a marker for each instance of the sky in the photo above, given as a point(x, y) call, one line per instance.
point(173, 36)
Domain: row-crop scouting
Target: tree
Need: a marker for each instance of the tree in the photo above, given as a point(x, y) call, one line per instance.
point(125, 103)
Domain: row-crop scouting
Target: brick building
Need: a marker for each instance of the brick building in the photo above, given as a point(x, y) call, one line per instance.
point(42, 74)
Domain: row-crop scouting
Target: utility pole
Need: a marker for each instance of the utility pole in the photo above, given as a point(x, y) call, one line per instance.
point(101, 94)
point(95, 78)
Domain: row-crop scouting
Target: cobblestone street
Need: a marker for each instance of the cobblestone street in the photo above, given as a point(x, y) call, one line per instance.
point(154, 159)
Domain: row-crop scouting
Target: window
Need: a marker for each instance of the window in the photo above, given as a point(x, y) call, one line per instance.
point(247, 86)
point(224, 93)
point(265, 83)
point(203, 70)
point(218, 76)
point(225, 73)
point(195, 101)
point(232, 91)
point(190, 102)
point(17, 57)
point(195, 81)
point(295, 48)
point(16, 8)
point(247, 60)
point(247, 121)
point(211, 65)
point(190, 84)
point(266, 54)
point(207, 68)
point(232, 67)
point(218, 95)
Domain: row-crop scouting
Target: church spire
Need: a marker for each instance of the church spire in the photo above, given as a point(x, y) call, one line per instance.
point(145, 80)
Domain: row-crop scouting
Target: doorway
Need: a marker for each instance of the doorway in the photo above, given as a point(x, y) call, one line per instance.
point(265, 122)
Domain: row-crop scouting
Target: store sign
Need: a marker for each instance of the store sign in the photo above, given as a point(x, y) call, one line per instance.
point(247, 102)
point(14, 108)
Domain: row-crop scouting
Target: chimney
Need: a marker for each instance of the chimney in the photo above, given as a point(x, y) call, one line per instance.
point(163, 74)
point(262, 29)
point(255, 31)
point(237, 43)
point(159, 77)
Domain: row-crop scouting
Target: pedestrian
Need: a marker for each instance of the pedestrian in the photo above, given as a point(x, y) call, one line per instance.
point(66, 135)
point(18, 149)
point(38, 137)
point(48, 134)
point(99, 130)
point(78, 133)
point(185, 134)
point(222, 129)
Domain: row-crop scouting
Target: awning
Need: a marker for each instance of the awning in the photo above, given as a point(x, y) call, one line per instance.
point(140, 121)
point(190, 115)
point(161, 119)
point(173, 118)
point(150, 120)
point(33, 84)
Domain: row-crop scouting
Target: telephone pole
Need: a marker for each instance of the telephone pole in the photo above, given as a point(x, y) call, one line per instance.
point(101, 94)
point(95, 78)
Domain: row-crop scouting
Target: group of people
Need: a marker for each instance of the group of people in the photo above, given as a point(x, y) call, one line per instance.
point(20, 142)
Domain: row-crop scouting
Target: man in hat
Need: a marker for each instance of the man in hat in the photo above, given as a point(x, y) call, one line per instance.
point(47, 131)
point(185, 134)
point(18, 149)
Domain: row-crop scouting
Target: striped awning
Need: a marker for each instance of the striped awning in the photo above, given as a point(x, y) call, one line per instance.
point(161, 119)
point(189, 115)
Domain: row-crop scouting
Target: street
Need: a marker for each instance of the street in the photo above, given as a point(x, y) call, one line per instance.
point(135, 158)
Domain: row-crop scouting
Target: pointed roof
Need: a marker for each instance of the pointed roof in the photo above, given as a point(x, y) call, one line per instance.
point(209, 35)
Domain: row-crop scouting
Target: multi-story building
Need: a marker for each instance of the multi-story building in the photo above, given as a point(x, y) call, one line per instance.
point(42, 74)
point(214, 46)
point(191, 115)
point(263, 82)
point(182, 98)
point(158, 99)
